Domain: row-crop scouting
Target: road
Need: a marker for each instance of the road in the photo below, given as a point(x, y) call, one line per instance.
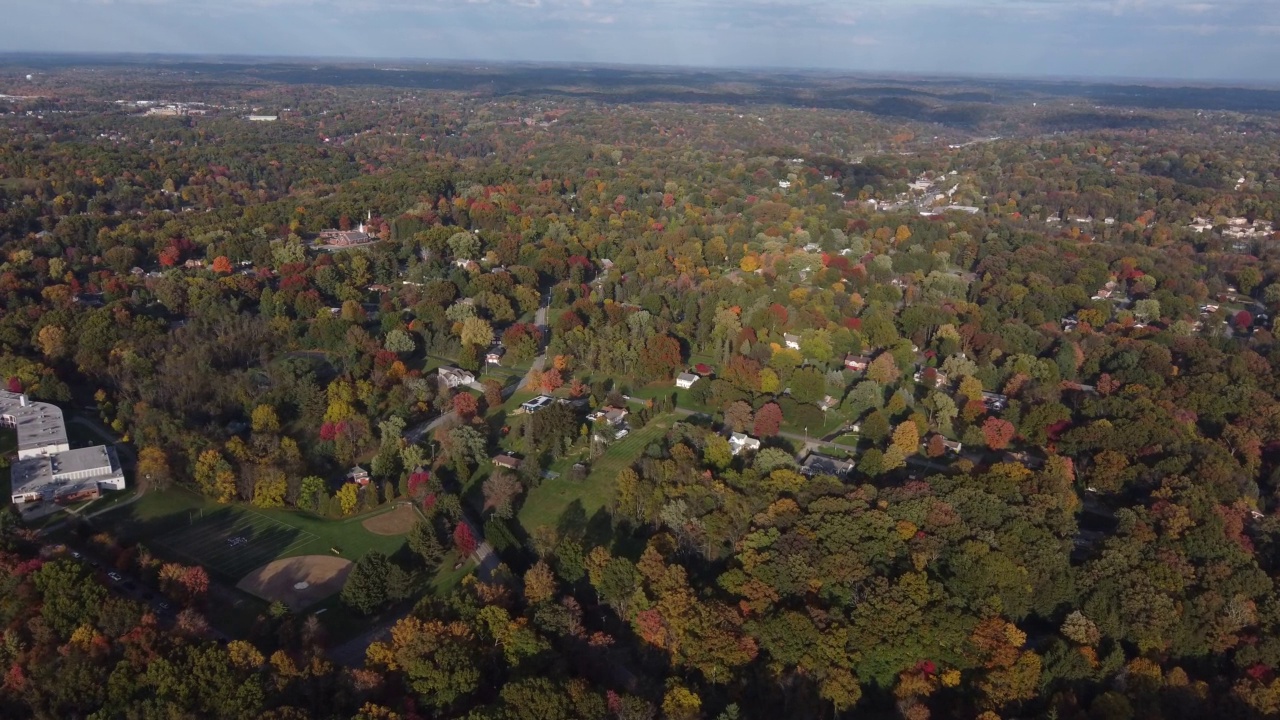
point(539, 319)
point(419, 432)
point(812, 443)
point(352, 652)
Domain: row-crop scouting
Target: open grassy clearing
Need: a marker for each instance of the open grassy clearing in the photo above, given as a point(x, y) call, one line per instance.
point(232, 544)
point(547, 502)
point(166, 515)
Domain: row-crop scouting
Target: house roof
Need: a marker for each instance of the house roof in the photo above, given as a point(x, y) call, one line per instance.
point(688, 377)
point(447, 371)
point(825, 465)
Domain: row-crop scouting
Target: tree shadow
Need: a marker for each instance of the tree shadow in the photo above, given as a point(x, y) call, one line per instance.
point(573, 522)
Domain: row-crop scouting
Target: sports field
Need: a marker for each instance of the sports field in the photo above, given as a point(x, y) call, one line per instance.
point(232, 543)
point(183, 526)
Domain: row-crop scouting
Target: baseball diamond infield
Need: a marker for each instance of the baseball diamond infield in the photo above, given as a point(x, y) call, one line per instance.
point(395, 522)
point(297, 581)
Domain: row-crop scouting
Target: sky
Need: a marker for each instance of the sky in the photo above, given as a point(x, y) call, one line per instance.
point(1172, 39)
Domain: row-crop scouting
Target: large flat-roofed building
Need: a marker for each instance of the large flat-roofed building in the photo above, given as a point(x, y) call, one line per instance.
point(47, 469)
point(41, 430)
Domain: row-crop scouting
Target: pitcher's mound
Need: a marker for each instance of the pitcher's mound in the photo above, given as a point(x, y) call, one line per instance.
point(395, 522)
point(297, 581)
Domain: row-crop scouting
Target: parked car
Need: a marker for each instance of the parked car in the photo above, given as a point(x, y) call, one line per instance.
point(115, 577)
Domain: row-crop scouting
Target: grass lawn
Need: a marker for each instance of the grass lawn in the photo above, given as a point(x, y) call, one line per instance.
point(518, 398)
point(834, 421)
point(548, 501)
point(684, 398)
point(181, 524)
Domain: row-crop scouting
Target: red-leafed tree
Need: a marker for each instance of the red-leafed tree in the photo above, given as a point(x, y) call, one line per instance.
point(551, 381)
point(465, 405)
point(997, 433)
point(195, 582)
point(170, 256)
point(464, 540)
point(660, 358)
point(743, 373)
point(768, 420)
point(418, 483)
point(1243, 320)
point(14, 385)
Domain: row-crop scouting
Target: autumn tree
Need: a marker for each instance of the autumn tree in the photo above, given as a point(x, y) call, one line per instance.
point(884, 369)
point(768, 421)
point(500, 492)
point(738, 416)
point(348, 496)
point(477, 331)
point(997, 433)
point(153, 466)
point(263, 419)
point(464, 540)
point(539, 583)
point(465, 405)
point(906, 438)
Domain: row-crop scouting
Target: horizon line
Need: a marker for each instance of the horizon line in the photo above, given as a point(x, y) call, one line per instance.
point(246, 59)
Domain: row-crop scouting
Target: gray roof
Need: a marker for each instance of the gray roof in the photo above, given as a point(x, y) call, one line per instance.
point(824, 465)
point(41, 474)
point(30, 475)
point(99, 459)
point(38, 424)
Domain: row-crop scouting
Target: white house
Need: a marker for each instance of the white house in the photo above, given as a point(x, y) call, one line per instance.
point(792, 341)
point(856, 363)
point(452, 377)
point(494, 355)
point(739, 442)
point(611, 415)
point(684, 381)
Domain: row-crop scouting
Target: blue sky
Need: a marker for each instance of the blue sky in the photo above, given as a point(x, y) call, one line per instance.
point(1187, 39)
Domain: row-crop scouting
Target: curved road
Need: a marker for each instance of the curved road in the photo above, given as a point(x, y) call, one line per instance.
point(352, 652)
